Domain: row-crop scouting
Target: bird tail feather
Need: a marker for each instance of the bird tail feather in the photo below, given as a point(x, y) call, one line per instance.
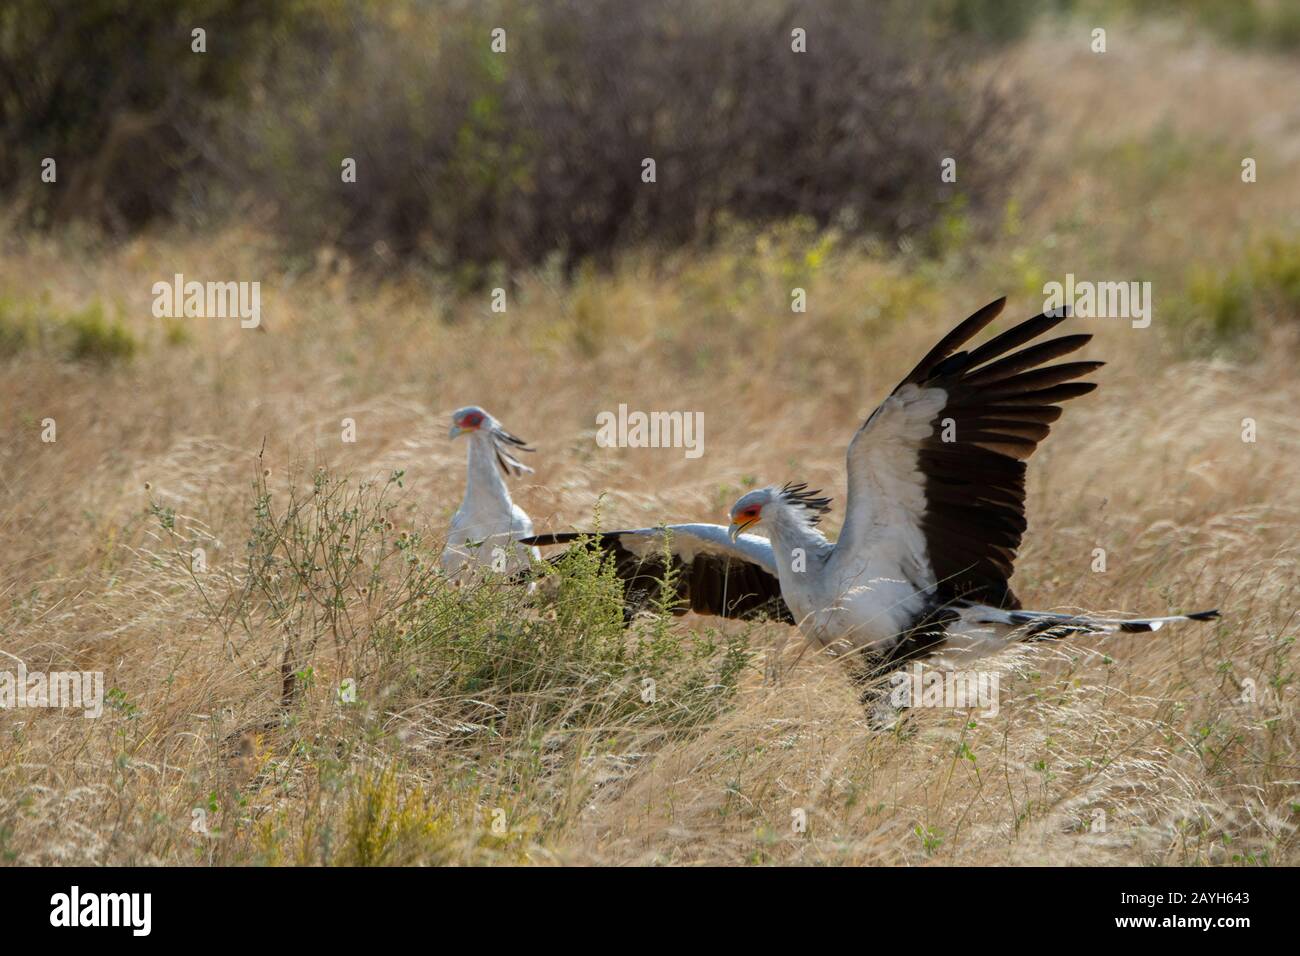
point(1050, 624)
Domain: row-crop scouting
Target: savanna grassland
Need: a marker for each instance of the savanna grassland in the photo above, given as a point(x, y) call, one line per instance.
point(224, 739)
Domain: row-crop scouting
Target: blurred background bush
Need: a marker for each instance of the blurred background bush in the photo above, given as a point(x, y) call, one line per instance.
point(467, 157)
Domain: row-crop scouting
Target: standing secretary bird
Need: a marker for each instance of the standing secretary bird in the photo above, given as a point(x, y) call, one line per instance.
point(487, 527)
point(936, 502)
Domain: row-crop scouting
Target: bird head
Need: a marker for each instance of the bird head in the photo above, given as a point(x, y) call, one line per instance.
point(748, 510)
point(471, 419)
point(791, 499)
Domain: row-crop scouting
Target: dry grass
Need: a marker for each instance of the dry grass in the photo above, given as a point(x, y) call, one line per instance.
point(1137, 178)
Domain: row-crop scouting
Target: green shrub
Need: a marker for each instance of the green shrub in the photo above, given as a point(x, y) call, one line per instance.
point(566, 661)
point(1225, 306)
point(328, 571)
point(1274, 264)
point(86, 335)
point(1220, 304)
point(387, 826)
point(19, 330)
point(528, 691)
point(93, 337)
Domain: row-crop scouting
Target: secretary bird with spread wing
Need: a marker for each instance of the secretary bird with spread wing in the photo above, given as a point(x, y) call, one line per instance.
point(487, 527)
point(936, 511)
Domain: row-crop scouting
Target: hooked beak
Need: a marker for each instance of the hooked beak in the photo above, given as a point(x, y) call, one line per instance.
point(738, 526)
point(457, 430)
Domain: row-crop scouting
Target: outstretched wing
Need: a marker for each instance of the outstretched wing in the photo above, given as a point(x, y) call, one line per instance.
point(936, 475)
point(714, 575)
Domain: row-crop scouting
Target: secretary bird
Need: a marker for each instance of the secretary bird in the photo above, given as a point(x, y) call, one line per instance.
point(935, 515)
point(487, 527)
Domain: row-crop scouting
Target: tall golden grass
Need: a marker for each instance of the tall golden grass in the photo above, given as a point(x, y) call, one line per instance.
point(1155, 735)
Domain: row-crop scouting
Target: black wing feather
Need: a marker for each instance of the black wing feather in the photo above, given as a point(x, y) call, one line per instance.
point(1002, 402)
